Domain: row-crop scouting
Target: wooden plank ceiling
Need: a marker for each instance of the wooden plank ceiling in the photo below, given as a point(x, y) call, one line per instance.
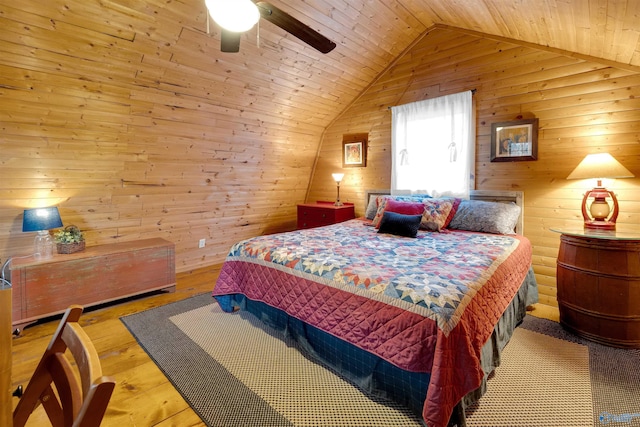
point(369, 34)
point(304, 88)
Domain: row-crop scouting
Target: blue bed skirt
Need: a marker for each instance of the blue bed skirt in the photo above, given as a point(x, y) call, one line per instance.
point(377, 377)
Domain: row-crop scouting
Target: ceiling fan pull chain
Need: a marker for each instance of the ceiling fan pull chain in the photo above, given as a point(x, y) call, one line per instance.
point(258, 35)
point(208, 22)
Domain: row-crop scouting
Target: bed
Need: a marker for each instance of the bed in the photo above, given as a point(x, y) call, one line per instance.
point(419, 320)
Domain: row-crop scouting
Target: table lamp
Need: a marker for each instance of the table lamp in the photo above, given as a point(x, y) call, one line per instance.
point(338, 177)
point(599, 166)
point(41, 220)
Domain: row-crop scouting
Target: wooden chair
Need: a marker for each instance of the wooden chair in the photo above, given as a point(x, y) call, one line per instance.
point(74, 403)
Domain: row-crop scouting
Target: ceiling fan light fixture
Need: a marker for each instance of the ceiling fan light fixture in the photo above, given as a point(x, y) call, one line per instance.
point(233, 15)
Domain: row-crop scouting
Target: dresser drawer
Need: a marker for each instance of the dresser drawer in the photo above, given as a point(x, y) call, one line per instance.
point(316, 216)
point(323, 213)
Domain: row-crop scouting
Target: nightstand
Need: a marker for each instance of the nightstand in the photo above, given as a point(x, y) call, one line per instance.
point(598, 281)
point(323, 213)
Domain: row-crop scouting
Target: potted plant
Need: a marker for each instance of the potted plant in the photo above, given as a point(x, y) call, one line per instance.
point(69, 240)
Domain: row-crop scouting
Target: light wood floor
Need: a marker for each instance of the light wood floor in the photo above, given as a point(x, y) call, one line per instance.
point(143, 396)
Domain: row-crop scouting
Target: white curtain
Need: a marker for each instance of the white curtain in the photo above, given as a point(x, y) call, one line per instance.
point(433, 146)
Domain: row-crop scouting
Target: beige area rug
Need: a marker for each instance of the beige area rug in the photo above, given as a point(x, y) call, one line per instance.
point(303, 392)
point(542, 381)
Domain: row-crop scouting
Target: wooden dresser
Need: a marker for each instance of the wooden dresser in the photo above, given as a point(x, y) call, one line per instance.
point(96, 275)
point(598, 280)
point(317, 214)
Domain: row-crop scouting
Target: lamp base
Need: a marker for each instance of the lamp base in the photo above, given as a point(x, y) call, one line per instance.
point(599, 225)
point(600, 210)
point(338, 203)
point(43, 245)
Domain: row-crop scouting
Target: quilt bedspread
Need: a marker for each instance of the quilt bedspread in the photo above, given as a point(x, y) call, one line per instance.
point(425, 305)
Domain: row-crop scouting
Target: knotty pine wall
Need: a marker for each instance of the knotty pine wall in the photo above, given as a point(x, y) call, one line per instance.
point(583, 107)
point(126, 116)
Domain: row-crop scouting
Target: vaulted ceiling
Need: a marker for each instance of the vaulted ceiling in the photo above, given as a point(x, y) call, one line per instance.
point(371, 34)
point(608, 29)
point(166, 48)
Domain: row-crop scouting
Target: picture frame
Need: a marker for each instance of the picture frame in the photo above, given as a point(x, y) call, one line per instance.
point(514, 141)
point(354, 153)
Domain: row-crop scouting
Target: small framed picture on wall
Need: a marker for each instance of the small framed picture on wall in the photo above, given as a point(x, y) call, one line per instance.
point(514, 141)
point(354, 151)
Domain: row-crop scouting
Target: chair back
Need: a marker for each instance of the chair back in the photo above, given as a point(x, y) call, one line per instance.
point(82, 393)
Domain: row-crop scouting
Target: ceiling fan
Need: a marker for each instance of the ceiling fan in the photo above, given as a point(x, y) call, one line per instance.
point(229, 14)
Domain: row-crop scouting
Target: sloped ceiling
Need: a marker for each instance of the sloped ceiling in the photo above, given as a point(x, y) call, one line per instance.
point(371, 34)
point(608, 29)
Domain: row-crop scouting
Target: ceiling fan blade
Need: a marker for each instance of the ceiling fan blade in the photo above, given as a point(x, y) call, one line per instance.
point(293, 26)
point(229, 41)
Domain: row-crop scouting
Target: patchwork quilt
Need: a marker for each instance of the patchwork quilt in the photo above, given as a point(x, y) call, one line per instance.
point(426, 304)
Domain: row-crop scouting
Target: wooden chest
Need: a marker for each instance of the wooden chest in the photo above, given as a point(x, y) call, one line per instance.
point(96, 275)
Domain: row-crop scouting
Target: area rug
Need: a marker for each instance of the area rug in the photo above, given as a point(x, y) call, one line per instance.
point(234, 371)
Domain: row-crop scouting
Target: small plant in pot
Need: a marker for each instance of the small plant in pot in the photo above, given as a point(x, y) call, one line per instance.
point(69, 240)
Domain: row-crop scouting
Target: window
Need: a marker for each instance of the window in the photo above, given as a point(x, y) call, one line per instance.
point(433, 146)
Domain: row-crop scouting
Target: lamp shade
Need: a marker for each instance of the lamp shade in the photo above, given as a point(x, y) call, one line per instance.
point(337, 176)
point(598, 214)
point(233, 15)
point(39, 219)
point(600, 165)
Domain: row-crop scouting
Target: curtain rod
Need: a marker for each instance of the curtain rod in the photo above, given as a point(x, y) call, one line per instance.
point(473, 91)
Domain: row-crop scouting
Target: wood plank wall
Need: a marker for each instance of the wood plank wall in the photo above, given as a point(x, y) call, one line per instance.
point(126, 116)
point(583, 107)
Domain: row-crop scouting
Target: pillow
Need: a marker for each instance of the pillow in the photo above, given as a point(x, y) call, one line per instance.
point(404, 208)
point(400, 224)
point(411, 197)
point(381, 202)
point(454, 209)
point(438, 213)
point(372, 206)
point(486, 217)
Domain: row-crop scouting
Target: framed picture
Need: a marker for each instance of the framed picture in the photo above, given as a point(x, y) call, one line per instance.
point(514, 141)
point(354, 154)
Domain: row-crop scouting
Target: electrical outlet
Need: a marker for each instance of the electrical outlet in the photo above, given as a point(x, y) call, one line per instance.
point(202, 243)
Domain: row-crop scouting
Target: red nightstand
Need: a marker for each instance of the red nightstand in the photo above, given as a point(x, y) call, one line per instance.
point(323, 213)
